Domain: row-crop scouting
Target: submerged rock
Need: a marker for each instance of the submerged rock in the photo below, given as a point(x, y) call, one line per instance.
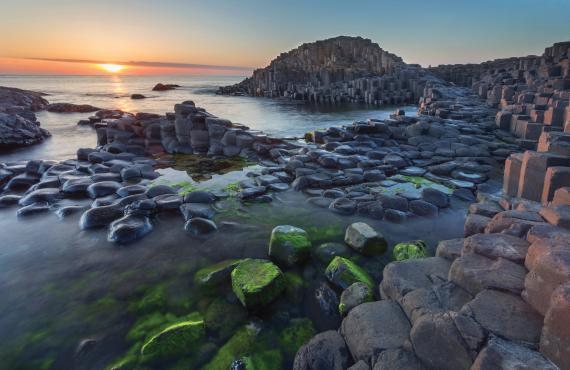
point(217, 273)
point(33, 208)
point(365, 240)
point(289, 245)
point(100, 216)
point(47, 195)
point(174, 340)
point(200, 226)
point(257, 282)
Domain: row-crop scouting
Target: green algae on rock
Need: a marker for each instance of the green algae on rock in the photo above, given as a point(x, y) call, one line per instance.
point(289, 245)
point(257, 282)
point(223, 317)
point(239, 345)
point(353, 296)
point(175, 339)
point(215, 274)
point(409, 250)
point(299, 331)
point(365, 240)
point(264, 360)
point(343, 272)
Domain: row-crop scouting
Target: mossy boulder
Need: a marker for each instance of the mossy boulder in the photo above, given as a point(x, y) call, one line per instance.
point(174, 340)
point(239, 345)
point(353, 296)
point(289, 245)
point(327, 251)
point(257, 282)
point(343, 273)
point(365, 240)
point(299, 332)
point(216, 274)
point(265, 360)
point(409, 250)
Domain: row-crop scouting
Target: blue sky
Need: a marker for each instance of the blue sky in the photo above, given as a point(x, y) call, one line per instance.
point(252, 32)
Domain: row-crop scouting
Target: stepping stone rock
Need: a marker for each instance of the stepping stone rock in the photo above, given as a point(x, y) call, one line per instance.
point(100, 216)
point(200, 196)
point(400, 278)
point(487, 209)
point(125, 191)
point(503, 354)
point(373, 327)
point(435, 197)
point(365, 240)
point(393, 202)
point(129, 228)
point(191, 210)
point(421, 208)
point(257, 282)
point(506, 315)
point(103, 188)
point(497, 246)
point(9, 200)
point(47, 195)
point(252, 192)
point(76, 186)
point(67, 211)
point(395, 216)
point(475, 273)
point(289, 245)
point(438, 343)
point(33, 209)
point(557, 215)
point(325, 351)
point(157, 190)
point(343, 206)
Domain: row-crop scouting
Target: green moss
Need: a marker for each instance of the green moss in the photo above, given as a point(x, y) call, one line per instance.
point(343, 272)
point(409, 250)
point(289, 245)
point(299, 332)
point(328, 233)
point(215, 274)
point(341, 308)
point(223, 317)
point(156, 321)
point(294, 287)
point(265, 360)
point(154, 298)
point(174, 340)
point(237, 347)
point(257, 282)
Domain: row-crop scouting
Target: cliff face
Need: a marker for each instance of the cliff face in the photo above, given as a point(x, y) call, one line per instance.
point(340, 69)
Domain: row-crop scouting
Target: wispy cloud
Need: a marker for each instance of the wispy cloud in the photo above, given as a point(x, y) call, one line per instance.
point(149, 64)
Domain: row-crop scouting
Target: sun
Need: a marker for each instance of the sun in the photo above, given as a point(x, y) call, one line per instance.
point(113, 68)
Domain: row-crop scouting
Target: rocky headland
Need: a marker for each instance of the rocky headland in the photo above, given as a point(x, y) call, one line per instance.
point(498, 298)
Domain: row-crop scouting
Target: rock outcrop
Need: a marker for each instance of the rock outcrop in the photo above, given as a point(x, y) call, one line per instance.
point(340, 69)
point(18, 124)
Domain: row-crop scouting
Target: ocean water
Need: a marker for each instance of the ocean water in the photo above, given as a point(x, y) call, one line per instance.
point(275, 117)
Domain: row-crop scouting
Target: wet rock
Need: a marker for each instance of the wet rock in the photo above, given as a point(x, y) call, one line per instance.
point(257, 282)
point(216, 274)
point(475, 224)
point(499, 353)
point(360, 365)
point(343, 273)
point(325, 351)
point(9, 200)
point(103, 188)
point(464, 194)
point(289, 245)
point(77, 186)
point(41, 196)
point(157, 190)
point(200, 196)
point(252, 192)
point(164, 87)
point(557, 215)
point(21, 182)
point(129, 228)
point(398, 359)
point(393, 202)
point(200, 226)
point(191, 210)
point(327, 251)
point(449, 249)
point(365, 240)
point(402, 277)
point(395, 216)
point(100, 216)
point(434, 338)
point(343, 206)
point(505, 315)
point(71, 108)
point(67, 211)
point(33, 209)
point(421, 208)
point(320, 202)
point(475, 273)
point(435, 197)
point(556, 330)
point(327, 301)
point(373, 327)
point(353, 296)
point(125, 191)
point(487, 209)
point(131, 173)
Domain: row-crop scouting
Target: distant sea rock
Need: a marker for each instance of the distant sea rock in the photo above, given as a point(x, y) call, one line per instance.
point(138, 96)
point(18, 124)
point(164, 87)
point(71, 108)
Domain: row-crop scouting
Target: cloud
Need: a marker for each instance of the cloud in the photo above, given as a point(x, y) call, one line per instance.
point(150, 64)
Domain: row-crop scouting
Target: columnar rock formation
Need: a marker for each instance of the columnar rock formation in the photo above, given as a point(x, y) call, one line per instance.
point(18, 124)
point(340, 69)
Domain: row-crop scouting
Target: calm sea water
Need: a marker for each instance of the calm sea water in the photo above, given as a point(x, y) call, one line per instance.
point(275, 117)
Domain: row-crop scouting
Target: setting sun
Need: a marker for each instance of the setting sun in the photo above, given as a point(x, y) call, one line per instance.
point(113, 68)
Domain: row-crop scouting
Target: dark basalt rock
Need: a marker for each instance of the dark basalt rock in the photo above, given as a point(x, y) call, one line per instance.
point(164, 87)
point(33, 208)
point(129, 228)
point(41, 196)
point(131, 190)
point(200, 197)
point(71, 108)
point(103, 188)
point(9, 200)
point(100, 216)
point(137, 96)
point(191, 210)
point(325, 351)
point(200, 226)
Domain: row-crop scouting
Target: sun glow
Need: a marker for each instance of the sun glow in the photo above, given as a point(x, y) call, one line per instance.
point(113, 68)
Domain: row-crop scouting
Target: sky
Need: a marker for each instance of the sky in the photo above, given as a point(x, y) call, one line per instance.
point(74, 36)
